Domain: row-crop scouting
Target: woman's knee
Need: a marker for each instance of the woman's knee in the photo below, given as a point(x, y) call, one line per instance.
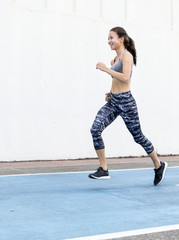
point(96, 129)
point(92, 131)
point(139, 138)
point(144, 142)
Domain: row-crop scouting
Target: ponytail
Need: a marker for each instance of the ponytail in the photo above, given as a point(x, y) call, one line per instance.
point(130, 46)
point(128, 42)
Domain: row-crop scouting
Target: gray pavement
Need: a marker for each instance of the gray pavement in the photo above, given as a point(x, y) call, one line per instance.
point(55, 166)
point(169, 235)
point(52, 166)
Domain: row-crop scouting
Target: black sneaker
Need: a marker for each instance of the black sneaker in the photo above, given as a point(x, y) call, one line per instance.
point(100, 174)
point(160, 173)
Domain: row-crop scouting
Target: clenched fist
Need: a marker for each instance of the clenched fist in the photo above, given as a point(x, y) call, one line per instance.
point(101, 66)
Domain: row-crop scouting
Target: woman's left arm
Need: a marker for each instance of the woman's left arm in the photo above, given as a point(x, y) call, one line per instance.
point(124, 77)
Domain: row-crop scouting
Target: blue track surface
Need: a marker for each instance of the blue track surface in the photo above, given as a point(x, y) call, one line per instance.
point(69, 205)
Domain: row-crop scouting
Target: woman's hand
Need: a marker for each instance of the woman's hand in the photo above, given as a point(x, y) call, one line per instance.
point(101, 66)
point(107, 95)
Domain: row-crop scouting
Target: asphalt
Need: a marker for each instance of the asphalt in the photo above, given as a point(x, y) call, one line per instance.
point(55, 166)
point(168, 235)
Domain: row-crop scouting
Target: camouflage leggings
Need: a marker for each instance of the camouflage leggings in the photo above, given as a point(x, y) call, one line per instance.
point(122, 104)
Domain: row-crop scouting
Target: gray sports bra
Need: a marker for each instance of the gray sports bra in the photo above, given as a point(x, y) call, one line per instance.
point(118, 65)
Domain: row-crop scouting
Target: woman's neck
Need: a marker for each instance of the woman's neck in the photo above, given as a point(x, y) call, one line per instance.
point(120, 50)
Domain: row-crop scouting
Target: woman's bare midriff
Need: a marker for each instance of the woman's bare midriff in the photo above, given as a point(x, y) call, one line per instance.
point(118, 87)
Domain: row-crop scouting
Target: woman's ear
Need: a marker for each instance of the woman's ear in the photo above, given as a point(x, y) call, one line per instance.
point(121, 39)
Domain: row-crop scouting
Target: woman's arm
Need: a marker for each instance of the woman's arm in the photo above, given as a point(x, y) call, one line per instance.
point(124, 77)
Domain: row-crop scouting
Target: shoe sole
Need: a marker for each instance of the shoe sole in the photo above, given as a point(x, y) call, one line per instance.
point(100, 178)
point(166, 165)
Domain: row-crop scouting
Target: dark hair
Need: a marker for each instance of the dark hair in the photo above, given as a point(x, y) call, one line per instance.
point(128, 42)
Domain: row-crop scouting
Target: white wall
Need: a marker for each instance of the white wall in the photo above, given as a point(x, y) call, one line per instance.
point(50, 90)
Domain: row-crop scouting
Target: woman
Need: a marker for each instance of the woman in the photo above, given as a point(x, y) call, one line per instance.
point(121, 102)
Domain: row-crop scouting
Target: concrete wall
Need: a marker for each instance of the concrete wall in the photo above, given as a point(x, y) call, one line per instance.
point(50, 90)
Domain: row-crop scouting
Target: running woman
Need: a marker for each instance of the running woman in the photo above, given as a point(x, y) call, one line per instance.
point(120, 102)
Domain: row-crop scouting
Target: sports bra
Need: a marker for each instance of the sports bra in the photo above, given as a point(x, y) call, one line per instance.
point(118, 65)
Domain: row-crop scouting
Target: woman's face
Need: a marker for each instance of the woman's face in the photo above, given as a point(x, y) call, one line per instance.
point(114, 41)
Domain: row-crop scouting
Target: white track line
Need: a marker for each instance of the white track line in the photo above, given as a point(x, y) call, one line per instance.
point(129, 233)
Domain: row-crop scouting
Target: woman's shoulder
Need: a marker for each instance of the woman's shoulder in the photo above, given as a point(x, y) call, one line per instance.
point(127, 56)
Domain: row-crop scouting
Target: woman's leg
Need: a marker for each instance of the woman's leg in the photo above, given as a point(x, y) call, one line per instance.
point(102, 159)
point(129, 113)
point(106, 115)
point(132, 122)
point(160, 167)
point(131, 119)
point(155, 159)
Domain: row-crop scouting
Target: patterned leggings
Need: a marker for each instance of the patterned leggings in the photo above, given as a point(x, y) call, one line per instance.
point(122, 104)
